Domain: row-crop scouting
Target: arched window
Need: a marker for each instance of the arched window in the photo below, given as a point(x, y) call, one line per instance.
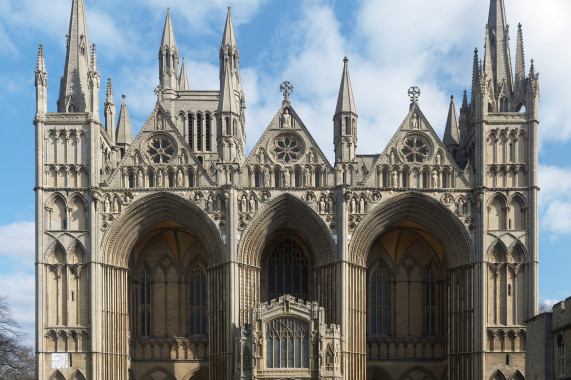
point(171, 178)
point(288, 271)
point(190, 178)
point(297, 177)
point(151, 177)
point(197, 301)
point(347, 126)
point(379, 322)
point(58, 220)
point(385, 178)
point(287, 343)
point(199, 132)
point(444, 179)
point(208, 131)
point(430, 304)
point(145, 291)
point(561, 354)
point(191, 130)
point(317, 177)
point(404, 176)
point(256, 177)
point(424, 180)
point(131, 179)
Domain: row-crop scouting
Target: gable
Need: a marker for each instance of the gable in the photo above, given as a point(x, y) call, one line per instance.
point(416, 146)
point(287, 142)
point(159, 151)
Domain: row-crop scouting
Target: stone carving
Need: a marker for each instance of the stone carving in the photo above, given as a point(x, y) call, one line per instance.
point(286, 119)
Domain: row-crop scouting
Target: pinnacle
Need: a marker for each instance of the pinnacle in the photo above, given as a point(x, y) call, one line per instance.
point(345, 101)
point(229, 38)
point(168, 39)
point(451, 134)
point(124, 131)
point(41, 65)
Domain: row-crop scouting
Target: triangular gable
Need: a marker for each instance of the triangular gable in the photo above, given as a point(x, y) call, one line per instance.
point(159, 123)
point(415, 144)
point(287, 122)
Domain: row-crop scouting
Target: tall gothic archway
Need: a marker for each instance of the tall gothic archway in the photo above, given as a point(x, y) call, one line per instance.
point(164, 286)
point(413, 254)
point(286, 232)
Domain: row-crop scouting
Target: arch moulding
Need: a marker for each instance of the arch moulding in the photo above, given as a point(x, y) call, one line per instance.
point(420, 209)
point(152, 210)
point(293, 212)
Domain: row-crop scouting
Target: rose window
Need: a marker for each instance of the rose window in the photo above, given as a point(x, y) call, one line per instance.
point(287, 148)
point(415, 149)
point(160, 149)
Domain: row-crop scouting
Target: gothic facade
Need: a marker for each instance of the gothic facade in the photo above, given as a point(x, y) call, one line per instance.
point(177, 255)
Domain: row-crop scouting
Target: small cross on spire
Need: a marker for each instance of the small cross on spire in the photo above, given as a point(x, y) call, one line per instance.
point(414, 93)
point(287, 88)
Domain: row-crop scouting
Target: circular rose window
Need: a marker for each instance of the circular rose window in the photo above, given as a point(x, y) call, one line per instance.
point(415, 148)
point(160, 149)
point(287, 147)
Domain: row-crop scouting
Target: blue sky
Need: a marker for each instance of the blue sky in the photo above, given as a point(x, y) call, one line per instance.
point(391, 46)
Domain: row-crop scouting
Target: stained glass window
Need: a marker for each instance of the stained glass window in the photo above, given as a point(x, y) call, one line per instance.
point(287, 343)
point(288, 271)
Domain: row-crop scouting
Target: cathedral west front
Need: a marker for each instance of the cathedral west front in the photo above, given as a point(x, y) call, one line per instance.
point(178, 254)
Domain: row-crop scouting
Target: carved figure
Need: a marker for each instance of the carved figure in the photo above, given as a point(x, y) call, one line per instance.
point(286, 119)
point(209, 203)
point(160, 179)
point(140, 179)
point(261, 156)
point(362, 205)
point(353, 205)
point(307, 177)
point(116, 205)
point(243, 204)
point(287, 177)
point(266, 177)
point(106, 205)
point(179, 178)
point(322, 205)
point(310, 156)
point(415, 121)
point(395, 177)
point(218, 203)
point(434, 178)
point(252, 203)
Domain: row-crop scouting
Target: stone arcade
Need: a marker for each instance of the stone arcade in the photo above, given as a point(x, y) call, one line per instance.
point(174, 255)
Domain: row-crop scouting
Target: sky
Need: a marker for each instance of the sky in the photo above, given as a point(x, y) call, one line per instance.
point(391, 46)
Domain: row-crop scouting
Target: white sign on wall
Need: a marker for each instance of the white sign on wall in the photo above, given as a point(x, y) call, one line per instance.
point(60, 360)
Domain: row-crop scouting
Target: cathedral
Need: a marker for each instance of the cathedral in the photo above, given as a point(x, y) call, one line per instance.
point(176, 254)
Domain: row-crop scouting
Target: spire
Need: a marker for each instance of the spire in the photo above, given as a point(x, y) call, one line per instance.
point(498, 60)
point(110, 112)
point(124, 132)
point(475, 73)
point(465, 100)
point(168, 33)
point(93, 66)
point(519, 59)
point(345, 101)
point(168, 56)
point(229, 38)
point(451, 134)
point(183, 78)
point(228, 101)
point(74, 84)
point(41, 83)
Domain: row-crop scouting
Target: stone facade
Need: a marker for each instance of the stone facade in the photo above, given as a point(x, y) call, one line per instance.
point(549, 339)
point(174, 255)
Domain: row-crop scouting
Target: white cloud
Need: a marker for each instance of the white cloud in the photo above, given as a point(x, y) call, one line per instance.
point(20, 291)
point(555, 199)
point(17, 242)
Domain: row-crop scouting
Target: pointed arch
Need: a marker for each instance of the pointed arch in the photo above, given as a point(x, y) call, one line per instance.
point(417, 370)
point(78, 212)
point(57, 375)
point(498, 375)
point(57, 212)
point(77, 375)
point(199, 374)
point(149, 375)
point(497, 252)
point(290, 211)
point(377, 373)
point(420, 209)
point(517, 376)
point(518, 248)
point(152, 210)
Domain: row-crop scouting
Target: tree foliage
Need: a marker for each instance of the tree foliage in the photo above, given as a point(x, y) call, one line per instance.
point(17, 362)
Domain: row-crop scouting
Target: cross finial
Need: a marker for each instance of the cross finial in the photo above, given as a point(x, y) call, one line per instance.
point(414, 93)
point(287, 88)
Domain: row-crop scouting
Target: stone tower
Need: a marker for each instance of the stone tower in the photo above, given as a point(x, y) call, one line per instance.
point(174, 254)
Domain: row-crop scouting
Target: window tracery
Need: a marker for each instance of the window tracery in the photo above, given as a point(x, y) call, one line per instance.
point(197, 301)
point(287, 343)
point(160, 149)
point(379, 302)
point(288, 271)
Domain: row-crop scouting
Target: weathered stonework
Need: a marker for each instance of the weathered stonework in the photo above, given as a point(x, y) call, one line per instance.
point(173, 255)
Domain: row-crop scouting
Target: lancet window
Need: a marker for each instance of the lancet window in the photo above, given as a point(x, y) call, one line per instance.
point(191, 130)
point(197, 301)
point(430, 304)
point(379, 302)
point(208, 130)
point(199, 132)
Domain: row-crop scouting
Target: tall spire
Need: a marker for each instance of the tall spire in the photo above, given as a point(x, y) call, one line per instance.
point(519, 59)
point(41, 83)
point(110, 112)
point(498, 60)
point(345, 101)
point(168, 57)
point(229, 38)
point(228, 101)
point(124, 132)
point(345, 120)
point(451, 133)
point(183, 78)
point(74, 94)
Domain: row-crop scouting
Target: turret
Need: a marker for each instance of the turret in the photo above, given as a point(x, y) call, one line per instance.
point(451, 133)
point(124, 132)
point(230, 115)
point(41, 83)
point(345, 120)
point(498, 61)
point(75, 95)
point(168, 58)
point(110, 112)
point(520, 82)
